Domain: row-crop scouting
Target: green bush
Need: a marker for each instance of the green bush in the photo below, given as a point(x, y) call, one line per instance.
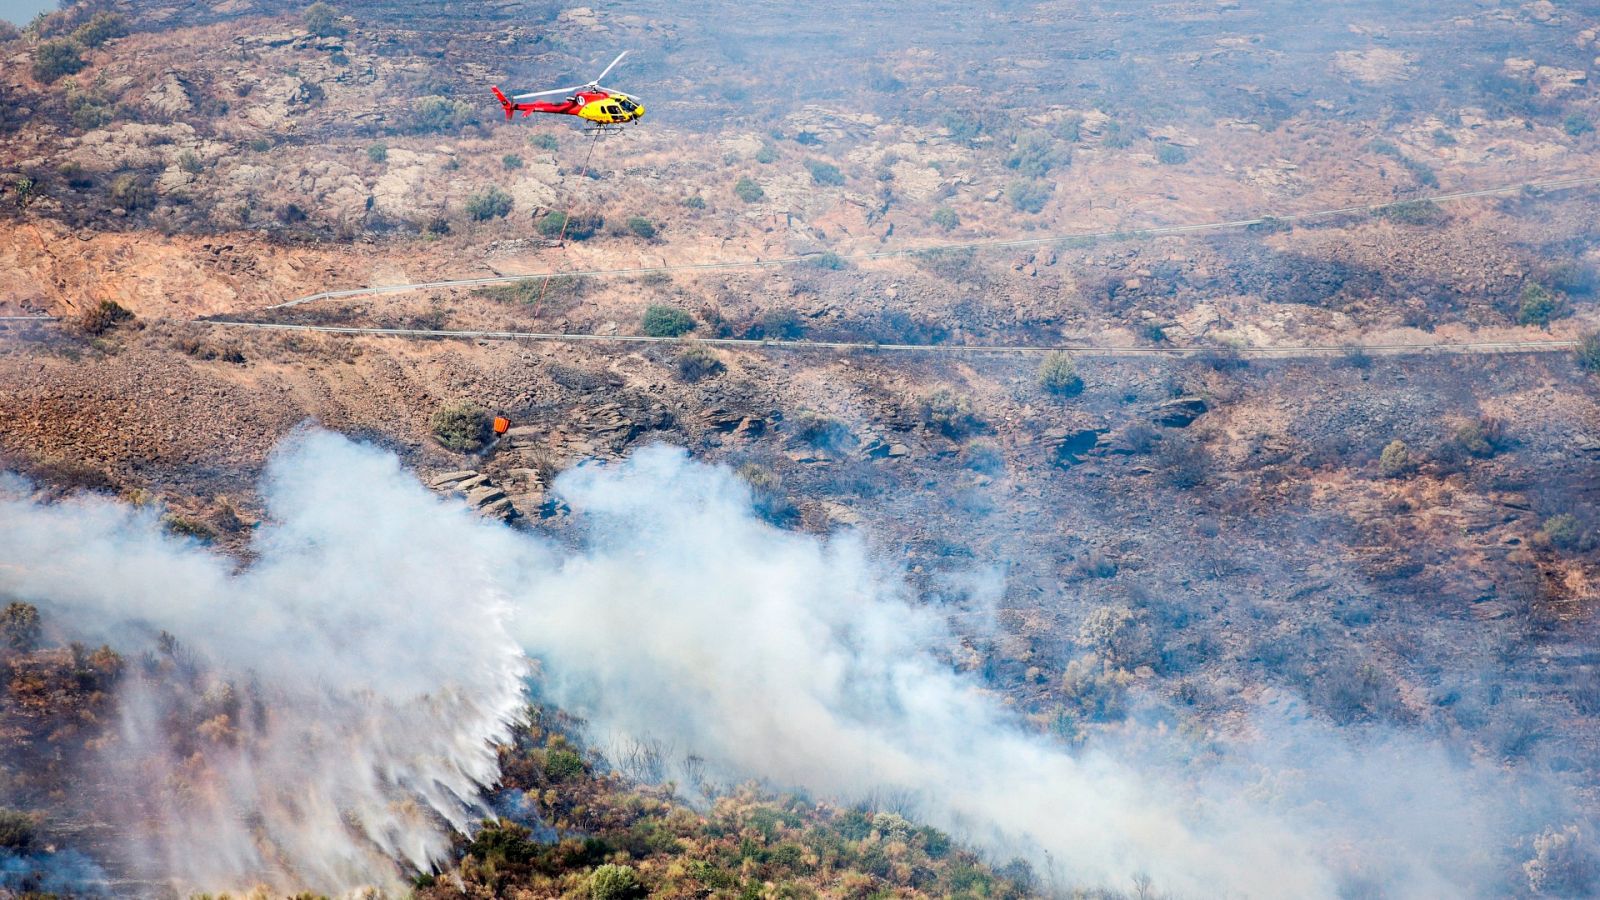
point(1028, 196)
point(1033, 154)
point(56, 59)
point(747, 190)
point(557, 224)
point(88, 112)
point(260, 145)
point(767, 154)
point(695, 202)
point(945, 218)
point(19, 622)
point(189, 162)
point(102, 317)
point(641, 227)
point(99, 29)
point(17, 827)
point(1169, 154)
point(511, 161)
point(1114, 135)
point(1058, 375)
point(322, 20)
point(819, 430)
point(378, 153)
point(698, 363)
point(825, 174)
point(491, 204)
point(1562, 531)
point(1588, 353)
point(544, 141)
point(1414, 212)
point(1395, 460)
point(461, 426)
point(829, 260)
point(950, 414)
point(661, 320)
point(561, 764)
point(441, 114)
point(1577, 125)
point(1538, 306)
point(183, 526)
point(614, 882)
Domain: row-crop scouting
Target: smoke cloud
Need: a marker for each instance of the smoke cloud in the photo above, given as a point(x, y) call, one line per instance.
point(376, 645)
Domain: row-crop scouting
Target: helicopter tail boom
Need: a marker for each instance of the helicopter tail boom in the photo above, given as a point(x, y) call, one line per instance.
point(503, 101)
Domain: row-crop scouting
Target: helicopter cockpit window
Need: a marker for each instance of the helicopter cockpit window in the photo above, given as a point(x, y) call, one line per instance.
point(628, 105)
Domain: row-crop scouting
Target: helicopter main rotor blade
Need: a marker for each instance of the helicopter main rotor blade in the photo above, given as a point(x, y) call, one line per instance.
point(607, 71)
point(551, 92)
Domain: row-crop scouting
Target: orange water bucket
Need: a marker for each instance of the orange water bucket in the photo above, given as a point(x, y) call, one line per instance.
point(501, 424)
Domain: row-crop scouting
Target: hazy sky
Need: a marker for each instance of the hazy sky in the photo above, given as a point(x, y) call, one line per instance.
point(22, 12)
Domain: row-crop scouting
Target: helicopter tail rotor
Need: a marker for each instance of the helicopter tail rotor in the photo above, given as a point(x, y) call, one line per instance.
point(503, 101)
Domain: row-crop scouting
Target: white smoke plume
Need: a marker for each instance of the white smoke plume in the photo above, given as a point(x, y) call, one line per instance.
point(384, 633)
point(353, 677)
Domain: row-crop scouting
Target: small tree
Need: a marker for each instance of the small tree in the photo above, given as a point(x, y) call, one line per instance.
point(1588, 353)
point(1539, 306)
point(378, 153)
point(783, 324)
point(322, 20)
point(945, 218)
point(661, 320)
point(1481, 437)
point(131, 191)
point(56, 59)
point(491, 204)
point(950, 414)
point(19, 623)
point(441, 114)
point(189, 162)
point(1058, 375)
point(1395, 460)
point(103, 27)
point(1028, 196)
point(511, 161)
point(1169, 154)
point(747, 190)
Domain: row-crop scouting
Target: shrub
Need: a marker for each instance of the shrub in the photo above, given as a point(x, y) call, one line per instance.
point(1395, 460)
point(544, 142)
point(1169, 154)
point(614, 882)
point(1184, 461)
point(378, 152)
point(1033, 154)
point(1028, 196)
point(491, 204)
point(189, 162)
point(747, 190)
point(1538, 307)
point(103, 27)
point(829, 260)
point(1414, 212)
point(945, 218)
point(131, 191)
point(661, 320)
point(56, 59)
point(462, 427)
point(183, 526)
point(1058, 375)
point(322, 20)
point(767, 154)
point(561, 764)
point(821, 431)
point(511, 161)
point(641, 227)
point(783, 324)
point(1480, 437)
point(1577, 126)
point(697, 363)
point(19, 622)
point(102, 317)
point(17, 828)
point(440, 114)
point(87, 111)
point(695, 202)
point(1563, 531)
point(950, 414)
point(260, 145)
point(1588, 352)
point(557, 224)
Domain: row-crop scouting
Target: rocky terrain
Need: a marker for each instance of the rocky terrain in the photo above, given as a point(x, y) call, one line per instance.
point(1211, 531)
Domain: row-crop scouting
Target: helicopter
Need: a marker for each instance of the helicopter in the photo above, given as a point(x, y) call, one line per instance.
point(600, 105)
